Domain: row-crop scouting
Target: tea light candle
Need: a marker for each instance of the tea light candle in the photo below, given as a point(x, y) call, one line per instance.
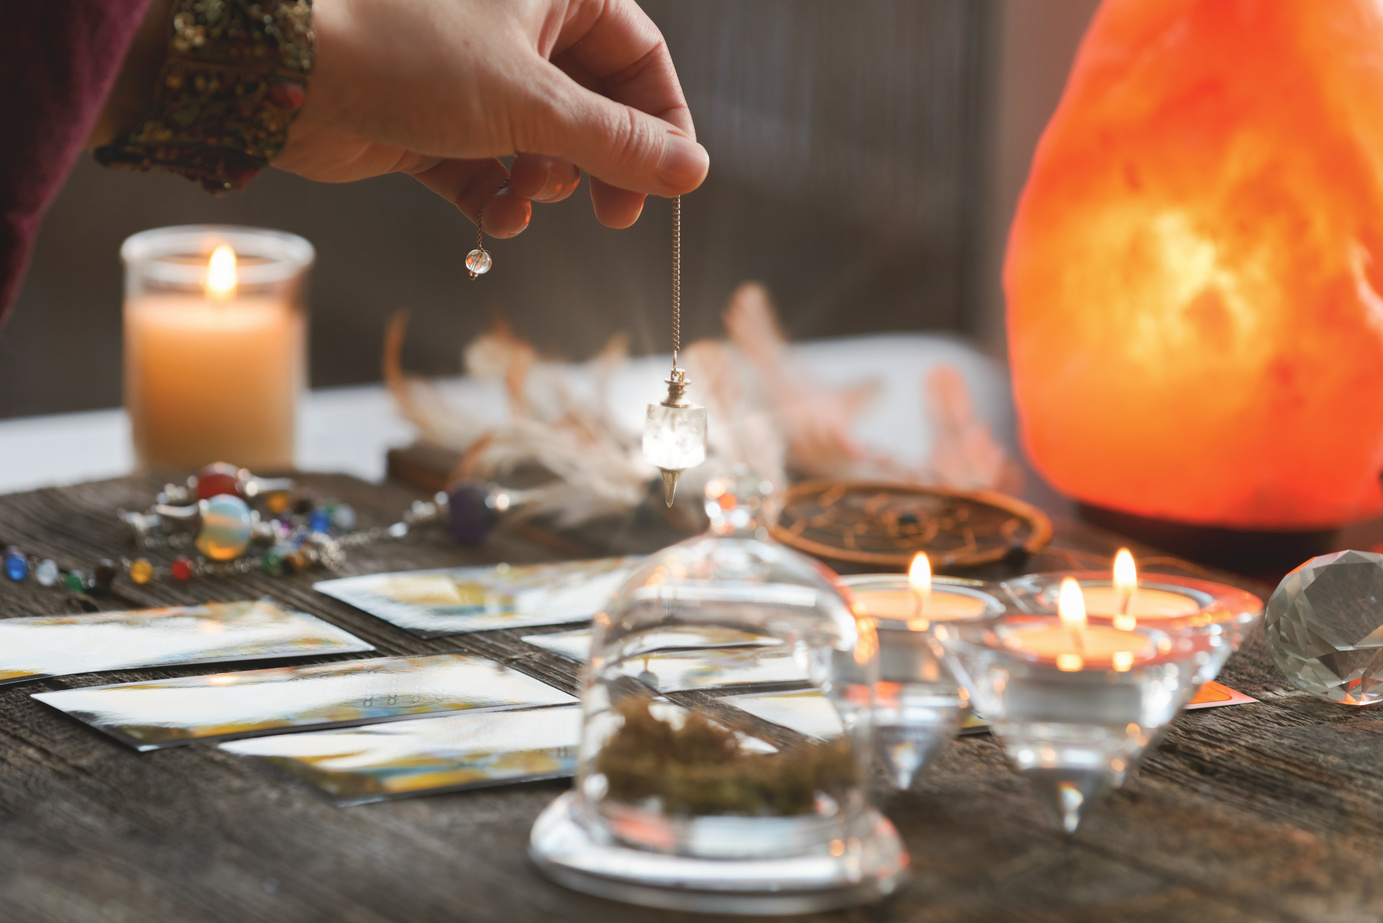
point(1073, 644)
point(1128, 602)
point(213, 371)
point(921, 601)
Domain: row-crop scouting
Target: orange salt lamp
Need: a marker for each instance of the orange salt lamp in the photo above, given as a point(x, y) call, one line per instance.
point(1194, 271)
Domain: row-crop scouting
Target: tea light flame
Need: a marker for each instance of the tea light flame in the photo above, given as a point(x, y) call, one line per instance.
point(221, 274)
point(1125, 588)
point(1070, 606)
point(920, 582)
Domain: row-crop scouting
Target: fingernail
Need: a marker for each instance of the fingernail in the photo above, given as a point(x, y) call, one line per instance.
point(684, 162)
point(552, 184)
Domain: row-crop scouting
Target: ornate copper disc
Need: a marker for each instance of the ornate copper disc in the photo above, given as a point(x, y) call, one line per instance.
point(884, 524)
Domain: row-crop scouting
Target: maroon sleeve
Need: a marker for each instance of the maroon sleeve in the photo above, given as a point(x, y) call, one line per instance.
point(58, 61)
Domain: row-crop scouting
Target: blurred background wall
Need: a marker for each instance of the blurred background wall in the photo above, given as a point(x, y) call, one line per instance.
point(865, 161)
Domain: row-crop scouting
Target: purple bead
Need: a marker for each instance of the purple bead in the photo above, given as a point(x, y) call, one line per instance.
point(470, 518)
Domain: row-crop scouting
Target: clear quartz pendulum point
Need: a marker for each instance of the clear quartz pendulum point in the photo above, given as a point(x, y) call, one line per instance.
point(674, 434)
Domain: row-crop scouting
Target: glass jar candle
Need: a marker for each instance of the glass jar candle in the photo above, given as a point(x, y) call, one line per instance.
point(215, 345)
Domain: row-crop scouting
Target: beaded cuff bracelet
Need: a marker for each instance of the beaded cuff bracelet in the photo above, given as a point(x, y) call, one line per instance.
point(233, 81)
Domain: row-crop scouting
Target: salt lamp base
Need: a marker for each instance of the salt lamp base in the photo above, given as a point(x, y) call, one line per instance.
point(1242, 550)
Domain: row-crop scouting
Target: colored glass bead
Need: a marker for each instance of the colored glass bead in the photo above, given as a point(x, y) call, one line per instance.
point(272, 562)
point(75, 581)
point(304, 503)
point(46, 573)
point(469, 517)
point(226, 527)
point(277, 502)
point(141, 571)
point(181, 568)
point(319, 521)
point(343, 517)
point(104, 575)
point(16, 565)
point(217, 480)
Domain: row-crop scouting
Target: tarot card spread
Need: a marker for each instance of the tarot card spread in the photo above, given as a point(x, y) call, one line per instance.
point(172, 712)
point(678, 660)
point(445, 753)
point(59, 645)
point(449, 601)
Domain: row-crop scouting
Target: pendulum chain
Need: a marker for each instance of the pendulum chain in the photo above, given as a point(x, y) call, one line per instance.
point(676, 278)
point(478, 261)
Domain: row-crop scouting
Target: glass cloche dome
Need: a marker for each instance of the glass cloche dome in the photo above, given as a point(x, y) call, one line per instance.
point(725, 751)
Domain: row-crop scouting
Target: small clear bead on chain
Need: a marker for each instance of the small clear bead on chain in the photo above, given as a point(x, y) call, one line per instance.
point(478, 262)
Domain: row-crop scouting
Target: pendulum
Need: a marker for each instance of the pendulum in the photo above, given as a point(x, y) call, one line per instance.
point(478, 261)
point(674, 432)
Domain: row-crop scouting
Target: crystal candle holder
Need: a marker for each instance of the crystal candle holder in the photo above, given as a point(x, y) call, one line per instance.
point(1075, 710)
point(1219, 614)
point(918, 704)
point(215, 345)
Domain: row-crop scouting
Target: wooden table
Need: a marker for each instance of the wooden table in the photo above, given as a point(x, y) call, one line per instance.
point(1262, 812)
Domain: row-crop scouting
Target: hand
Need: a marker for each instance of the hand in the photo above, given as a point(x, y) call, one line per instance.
point(439, 89)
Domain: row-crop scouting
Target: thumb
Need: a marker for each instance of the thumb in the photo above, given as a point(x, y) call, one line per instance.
point(618, 144)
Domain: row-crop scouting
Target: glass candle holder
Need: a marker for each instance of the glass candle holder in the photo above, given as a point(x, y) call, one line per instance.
point(918, 704)
point(1074, 708)
point(215, 345)
point(1220, 614)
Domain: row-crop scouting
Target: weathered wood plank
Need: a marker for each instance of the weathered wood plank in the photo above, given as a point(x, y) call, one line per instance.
point(1268, 812)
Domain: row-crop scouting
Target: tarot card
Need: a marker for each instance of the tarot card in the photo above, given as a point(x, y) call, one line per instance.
point(58, 645)
point(679, 671)
point(1213, 695)
point(804, 711)
point(576, 645)
point(172, 712)
point(453, 600)
point(426, 755)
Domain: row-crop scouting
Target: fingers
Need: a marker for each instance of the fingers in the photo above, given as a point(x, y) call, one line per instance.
point(473, 185)
point(613, 142)
point(616, 43)
point(543, 179)
point(636, 133)
point(615, 207)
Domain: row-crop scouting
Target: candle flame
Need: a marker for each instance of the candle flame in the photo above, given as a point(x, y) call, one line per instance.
point(920, 582)
point(1070, 605)
point(1070, 663)
point(1123, 661)
point(1125, 588)
point(221, 274)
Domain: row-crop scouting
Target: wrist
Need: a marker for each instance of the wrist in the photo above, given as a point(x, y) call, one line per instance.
point(133, 92)
point(232, 78)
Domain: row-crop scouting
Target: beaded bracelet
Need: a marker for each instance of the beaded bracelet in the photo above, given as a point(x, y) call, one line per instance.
point(234, 79)
point(285, 532)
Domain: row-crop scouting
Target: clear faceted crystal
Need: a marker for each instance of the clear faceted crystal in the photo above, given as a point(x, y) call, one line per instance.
point(479, 262)
point(1325, 627)
point(674, 438)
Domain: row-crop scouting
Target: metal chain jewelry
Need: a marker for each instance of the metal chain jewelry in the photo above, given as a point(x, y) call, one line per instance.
point(674, 433)
point(478, 261)
point(285, 532)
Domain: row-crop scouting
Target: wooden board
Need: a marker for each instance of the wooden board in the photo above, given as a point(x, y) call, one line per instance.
point(1267, 812)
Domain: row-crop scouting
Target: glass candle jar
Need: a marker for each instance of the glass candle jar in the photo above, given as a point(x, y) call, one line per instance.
point(215, 345)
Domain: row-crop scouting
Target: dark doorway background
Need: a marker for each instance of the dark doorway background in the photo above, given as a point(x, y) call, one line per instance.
point(848, 146)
